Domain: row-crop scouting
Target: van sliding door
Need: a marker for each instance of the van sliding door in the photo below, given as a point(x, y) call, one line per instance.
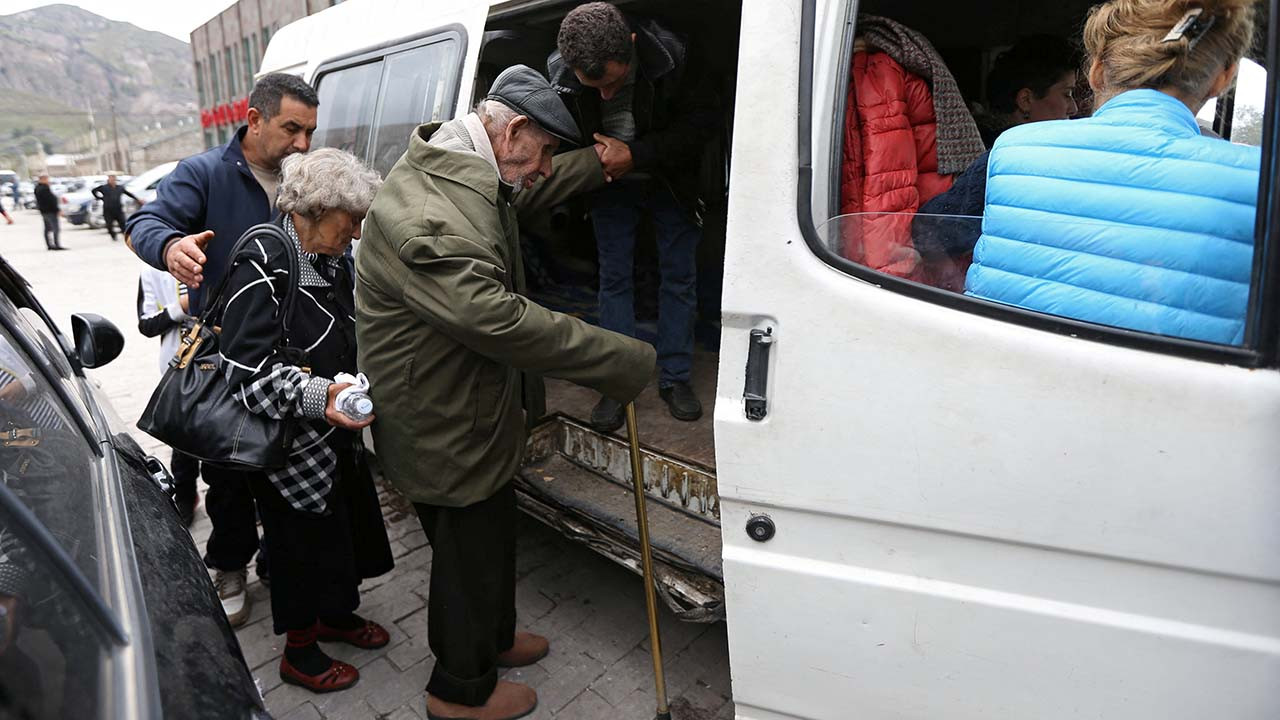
point(935, 506)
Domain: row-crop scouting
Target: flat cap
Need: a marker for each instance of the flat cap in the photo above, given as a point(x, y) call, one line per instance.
point(524, 90)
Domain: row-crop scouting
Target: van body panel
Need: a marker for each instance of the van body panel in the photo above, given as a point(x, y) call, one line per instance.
point(973, 518)
point(358, 25)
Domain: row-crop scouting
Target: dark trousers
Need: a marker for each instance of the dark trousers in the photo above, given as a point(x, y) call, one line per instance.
point(471, 610)
point(185, 470)
point(114, 218)
point(313, 575)
point(615, 215)
point(52, 229)
point(234, 538)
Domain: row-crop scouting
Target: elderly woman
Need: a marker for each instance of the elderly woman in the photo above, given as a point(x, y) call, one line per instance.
point(320, 516)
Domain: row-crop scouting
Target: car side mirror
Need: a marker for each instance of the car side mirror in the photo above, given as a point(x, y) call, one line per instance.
point(98, 341)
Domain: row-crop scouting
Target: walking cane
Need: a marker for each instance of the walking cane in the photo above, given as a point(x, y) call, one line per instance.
point(646, 562)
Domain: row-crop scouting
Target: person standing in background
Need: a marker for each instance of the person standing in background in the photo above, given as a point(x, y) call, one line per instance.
point(112, 210)
point(162, 313)
point(47, 204)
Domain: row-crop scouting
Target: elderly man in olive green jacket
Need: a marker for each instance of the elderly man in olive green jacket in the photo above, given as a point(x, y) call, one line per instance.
point(454, 353)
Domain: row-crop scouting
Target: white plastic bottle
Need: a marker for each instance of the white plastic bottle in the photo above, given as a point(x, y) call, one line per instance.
point(356, 405)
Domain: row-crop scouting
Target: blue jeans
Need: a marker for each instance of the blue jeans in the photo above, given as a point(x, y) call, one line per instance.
point(615, 216)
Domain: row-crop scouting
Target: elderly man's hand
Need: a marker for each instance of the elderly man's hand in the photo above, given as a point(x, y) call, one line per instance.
point(185, 258)
point(615, 156)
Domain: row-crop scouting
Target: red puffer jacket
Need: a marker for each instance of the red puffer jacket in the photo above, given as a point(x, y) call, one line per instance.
point(890, 163)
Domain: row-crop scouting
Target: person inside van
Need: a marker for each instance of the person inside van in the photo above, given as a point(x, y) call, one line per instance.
point(1032, 81)
point(631, 85)
point(907, 133)
point(1131, 218)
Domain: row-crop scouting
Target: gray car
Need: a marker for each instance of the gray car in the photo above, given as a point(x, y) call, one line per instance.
point(106, 610)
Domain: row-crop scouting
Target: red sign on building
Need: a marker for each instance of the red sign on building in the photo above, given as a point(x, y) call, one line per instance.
point(225, 114)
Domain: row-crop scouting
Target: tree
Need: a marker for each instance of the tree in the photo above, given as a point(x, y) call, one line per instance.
point(1246, 125)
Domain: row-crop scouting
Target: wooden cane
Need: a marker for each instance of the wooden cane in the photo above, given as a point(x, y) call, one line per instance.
point(646, 563)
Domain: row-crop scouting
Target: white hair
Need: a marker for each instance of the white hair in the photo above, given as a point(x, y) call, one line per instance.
point(326, 179)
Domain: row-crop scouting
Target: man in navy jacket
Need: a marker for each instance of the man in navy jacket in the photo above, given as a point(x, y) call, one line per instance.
point(204, 206)
point(200, 211)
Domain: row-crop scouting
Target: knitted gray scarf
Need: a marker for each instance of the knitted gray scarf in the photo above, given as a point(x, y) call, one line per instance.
point(959, 142)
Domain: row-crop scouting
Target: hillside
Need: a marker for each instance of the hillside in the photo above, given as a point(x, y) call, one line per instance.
point(60, 60)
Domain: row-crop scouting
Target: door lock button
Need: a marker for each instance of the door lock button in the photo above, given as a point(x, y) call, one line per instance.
point(760, 528)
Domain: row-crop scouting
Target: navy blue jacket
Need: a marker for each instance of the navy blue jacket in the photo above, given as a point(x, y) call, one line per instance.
point(214, 190)
point(966, 200)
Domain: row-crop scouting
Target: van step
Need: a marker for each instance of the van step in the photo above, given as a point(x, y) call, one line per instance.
point(590, 506)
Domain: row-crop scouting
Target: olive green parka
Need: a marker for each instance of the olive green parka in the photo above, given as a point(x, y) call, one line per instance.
point(453, 351)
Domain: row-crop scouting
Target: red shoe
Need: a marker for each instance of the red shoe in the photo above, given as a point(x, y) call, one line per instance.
point(339, 676)
point(369, 636)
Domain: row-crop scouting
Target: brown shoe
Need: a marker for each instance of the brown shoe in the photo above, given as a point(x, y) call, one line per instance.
point(508, 702)
point(527, 650)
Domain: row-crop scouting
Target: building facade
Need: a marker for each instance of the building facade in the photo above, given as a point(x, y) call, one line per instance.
point(228, 51)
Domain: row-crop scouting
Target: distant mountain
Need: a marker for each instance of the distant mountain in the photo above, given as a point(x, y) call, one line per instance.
point(59, 61)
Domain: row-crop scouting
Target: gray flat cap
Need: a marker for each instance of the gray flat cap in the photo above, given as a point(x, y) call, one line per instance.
point(524, 90)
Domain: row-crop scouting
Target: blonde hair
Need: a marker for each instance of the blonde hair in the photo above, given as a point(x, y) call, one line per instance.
point(1127, 39)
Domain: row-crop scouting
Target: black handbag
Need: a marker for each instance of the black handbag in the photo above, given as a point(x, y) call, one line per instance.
point(193, 410)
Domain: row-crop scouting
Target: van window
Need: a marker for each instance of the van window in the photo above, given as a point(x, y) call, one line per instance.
point(345, 116)
point(1036, 225)
point(370, 106)
point(1247, 103)
point(415, 86)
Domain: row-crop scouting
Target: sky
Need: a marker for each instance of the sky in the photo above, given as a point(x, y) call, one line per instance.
point(171, 17)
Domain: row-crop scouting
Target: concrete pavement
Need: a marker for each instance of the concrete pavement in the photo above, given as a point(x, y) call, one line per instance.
point(592, 610)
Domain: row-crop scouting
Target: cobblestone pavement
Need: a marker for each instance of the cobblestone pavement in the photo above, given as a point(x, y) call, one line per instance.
point(592, 610)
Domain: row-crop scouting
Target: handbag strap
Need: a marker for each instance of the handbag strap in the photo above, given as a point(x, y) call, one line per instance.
point(213, 309)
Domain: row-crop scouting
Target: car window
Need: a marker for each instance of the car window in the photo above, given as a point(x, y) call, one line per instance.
point(415, 89)
point(52, 644)
point(347, 98)
point(44, 459)
point(1247, 105)
point(30, 322)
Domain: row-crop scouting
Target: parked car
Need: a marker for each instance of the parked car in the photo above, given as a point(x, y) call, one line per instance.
point(75, 206)
point(27, 191)
point(108, 609)
point(143, 186)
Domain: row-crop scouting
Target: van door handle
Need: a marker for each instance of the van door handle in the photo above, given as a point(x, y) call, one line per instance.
point(756, 392)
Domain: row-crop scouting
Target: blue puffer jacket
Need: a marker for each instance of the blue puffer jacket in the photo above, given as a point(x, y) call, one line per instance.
point(1130, 218)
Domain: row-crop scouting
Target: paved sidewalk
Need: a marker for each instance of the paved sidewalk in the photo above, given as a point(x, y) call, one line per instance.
point(592, 610)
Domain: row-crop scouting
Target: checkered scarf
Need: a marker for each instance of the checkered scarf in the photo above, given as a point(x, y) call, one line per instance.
point(959, 141)
point(285, 391)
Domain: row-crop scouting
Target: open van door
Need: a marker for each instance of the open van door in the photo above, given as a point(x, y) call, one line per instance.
point(938, 507)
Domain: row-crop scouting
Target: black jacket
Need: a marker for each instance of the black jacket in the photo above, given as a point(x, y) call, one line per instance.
point(46, 201)
point(110, 196)
point(675, 107)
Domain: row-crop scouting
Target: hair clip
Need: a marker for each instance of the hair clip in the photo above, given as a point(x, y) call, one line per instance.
point(1193, 25)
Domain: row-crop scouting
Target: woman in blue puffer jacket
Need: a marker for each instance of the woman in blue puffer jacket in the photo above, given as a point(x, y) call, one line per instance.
point(1131, 218)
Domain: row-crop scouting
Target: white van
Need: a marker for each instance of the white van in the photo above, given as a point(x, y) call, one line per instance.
point(911, 503)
